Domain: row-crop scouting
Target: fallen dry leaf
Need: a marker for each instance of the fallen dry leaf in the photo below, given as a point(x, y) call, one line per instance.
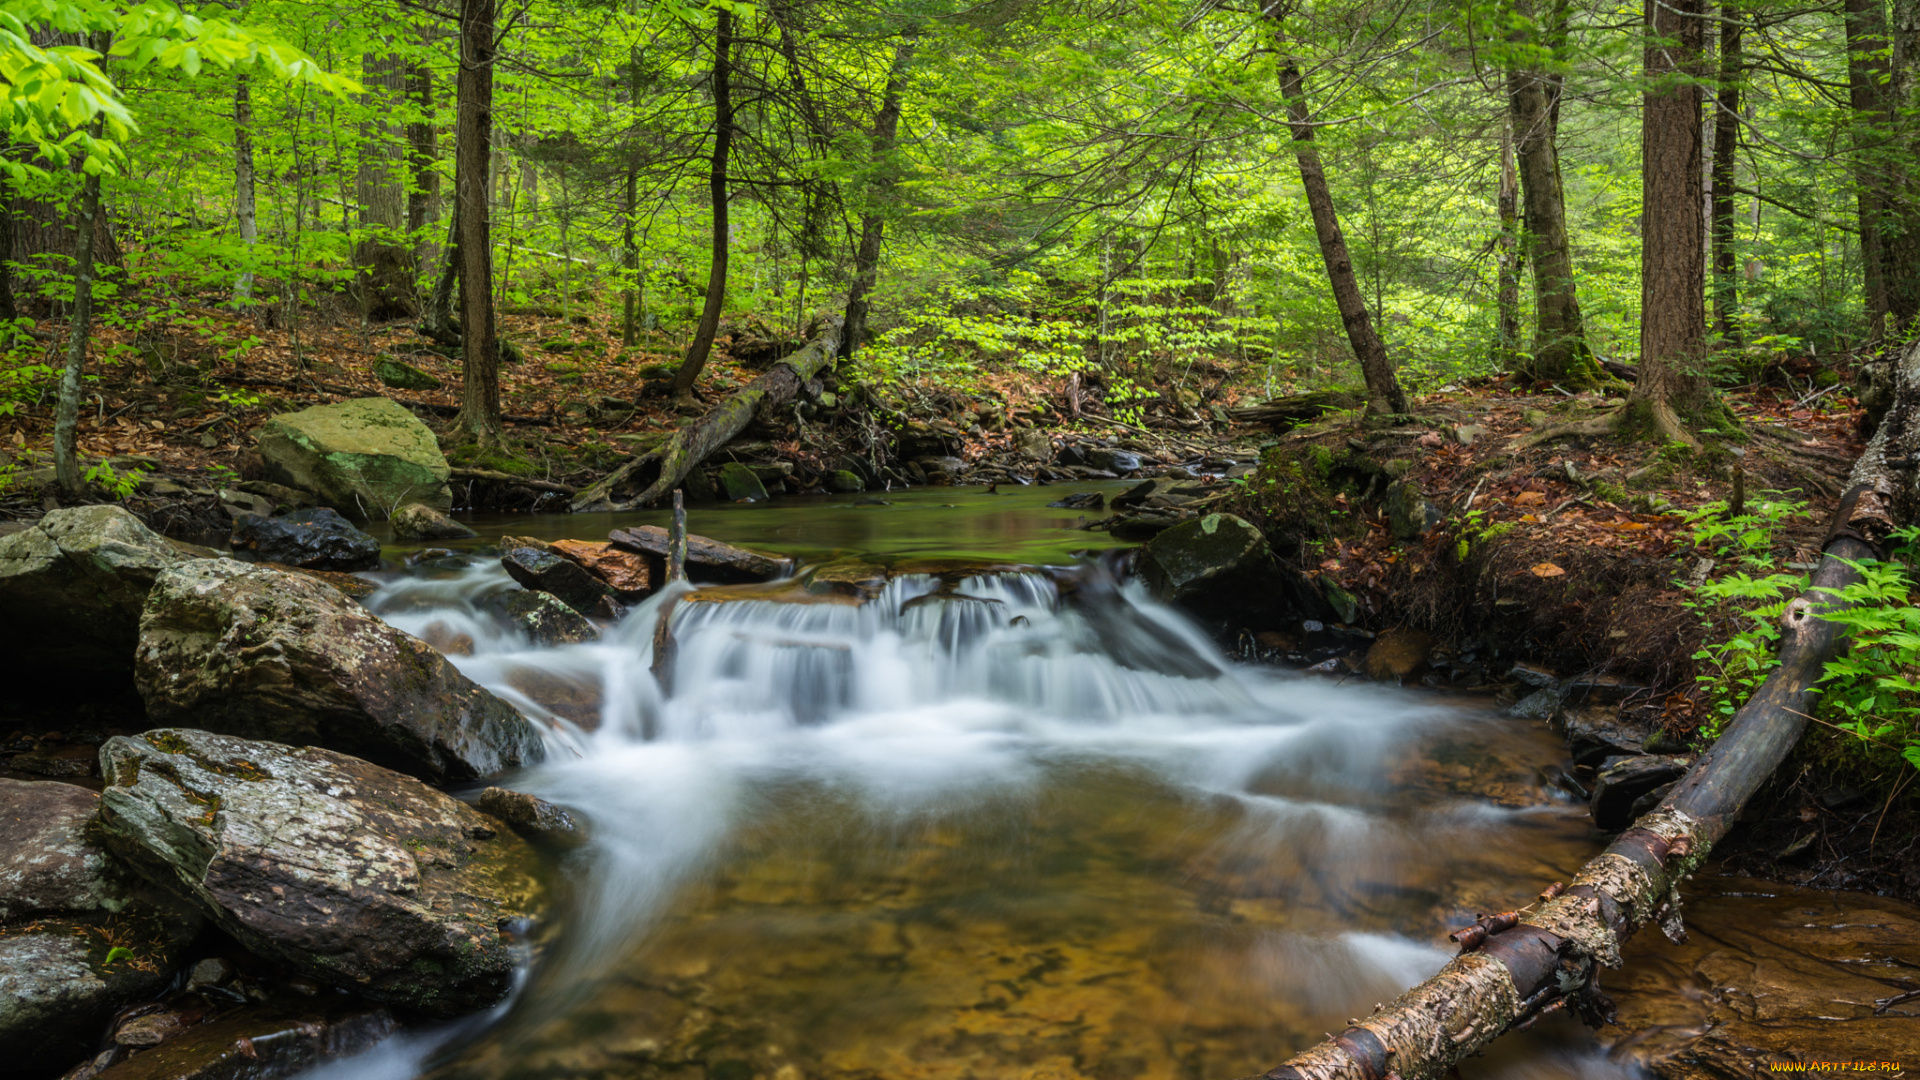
point(1546, 569)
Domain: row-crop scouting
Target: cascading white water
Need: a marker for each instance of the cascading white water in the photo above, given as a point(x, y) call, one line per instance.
point(977, 742)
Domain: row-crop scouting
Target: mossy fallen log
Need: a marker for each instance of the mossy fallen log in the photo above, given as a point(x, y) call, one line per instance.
point(646, 478)
point(1285, 413)
point(1517, 966)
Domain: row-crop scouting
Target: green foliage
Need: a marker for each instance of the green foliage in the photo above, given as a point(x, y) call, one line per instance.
point(116, 484)
point(1872, 692)
point(1753, 585)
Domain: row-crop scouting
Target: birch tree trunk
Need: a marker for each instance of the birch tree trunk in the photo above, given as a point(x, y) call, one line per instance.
point(1507, 348)
point(245, 206)
point(66, 417)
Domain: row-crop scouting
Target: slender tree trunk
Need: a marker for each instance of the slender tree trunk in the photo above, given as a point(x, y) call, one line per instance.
point(1726, 153)
point(66, 420)
point(717, 192)
point(480, 351)
point(1900, 215)
point(1672, 392)
point(630, 218)
point(1868, 68)
point(1383, 389)
point(423, 155)
point(1559, 354)
point(1506, 351)
point(9, 309)
point(873, 222)
point(244, 204)
point(382, 256)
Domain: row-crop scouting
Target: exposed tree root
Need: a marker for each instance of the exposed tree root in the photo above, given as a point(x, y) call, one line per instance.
point(658, 471)
point(1517, 966)
point(1599, 425)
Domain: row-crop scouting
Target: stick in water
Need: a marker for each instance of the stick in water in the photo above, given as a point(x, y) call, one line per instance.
point(677, 539)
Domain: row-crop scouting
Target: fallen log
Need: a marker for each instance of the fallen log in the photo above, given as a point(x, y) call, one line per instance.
point(661, 469)
point(1285, 413)
point(1517, 966)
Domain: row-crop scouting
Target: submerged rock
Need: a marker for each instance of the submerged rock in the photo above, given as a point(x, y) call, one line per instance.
point(355, 875)
point(548, 572)
point(79, 938)
point(1397, 654)
point(533, 817)
point(1220, 570)
point(71, 590)
point(365, 456)
point(312, 539)
point(1079, 500)
point(418, 521)
point(255, 1044)
point(268, 654)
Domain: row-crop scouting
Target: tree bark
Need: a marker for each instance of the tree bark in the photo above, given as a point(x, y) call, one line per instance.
point(629, 217)
point(873, 221)
point(66, 421)
point(1673, 392)
point(1517, 966)
point(479, 415)
point(1559, 354)
point(423, 158)
point(717, 194)
point(1507, 345)
point(245, 210)
point(1867, 72)
point(1900, 217)
point(1726, 153)
point(659, 471)
point(382, 257)
point(1383, 389)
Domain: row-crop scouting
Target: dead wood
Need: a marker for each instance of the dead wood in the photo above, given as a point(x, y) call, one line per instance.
point(646, 478)
point(1513, 971)
point(1286, 413)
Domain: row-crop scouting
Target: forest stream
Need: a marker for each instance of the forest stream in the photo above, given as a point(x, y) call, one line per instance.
point(970, 829)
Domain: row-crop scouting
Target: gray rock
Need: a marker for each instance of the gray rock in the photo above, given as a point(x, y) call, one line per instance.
point(365, 456)
point(1118, 462)
point(316, 538)
point(1034, 445)
point(1622, 784)
point(533, 817)
point(542, 617)
point(845, 482)
point(1409, 514)
point(264, 653)
point(64, 907)
point(1080, 500)
point(71, 590)
point(1220, 570)
point(739, 483)
point(1538, 705)
point(546, 572)
point(1596, 732)
point(418, 521)
point(357, 876)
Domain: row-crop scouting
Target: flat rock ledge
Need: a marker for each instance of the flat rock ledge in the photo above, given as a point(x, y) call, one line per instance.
point(358, 876)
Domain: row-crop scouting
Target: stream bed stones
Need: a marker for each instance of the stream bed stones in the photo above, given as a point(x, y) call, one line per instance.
point(263, 653)
point(358, 876)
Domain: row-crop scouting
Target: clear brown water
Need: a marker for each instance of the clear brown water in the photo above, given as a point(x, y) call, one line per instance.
point(985, 834)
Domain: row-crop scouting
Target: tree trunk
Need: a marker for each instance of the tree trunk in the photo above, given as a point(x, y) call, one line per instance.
point(717, 193)
point(423, 157)
point(1507, 346)
point(1383, 389)
point(244, 203)
point(1867, 73)
point(1519, 965)
point(873, 221)
point(382, 257)
point(1726, 153)
point(630, 217)
point(66, 420)
point(661, 470)
point(1900, 217)
point(1673, 393)
point(1559, 353)
point(480, 353)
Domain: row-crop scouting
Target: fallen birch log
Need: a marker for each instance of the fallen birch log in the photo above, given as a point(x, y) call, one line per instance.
point(658, 471)
point(1517, 966)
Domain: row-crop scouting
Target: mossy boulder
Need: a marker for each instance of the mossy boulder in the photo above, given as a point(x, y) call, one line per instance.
point(739, 483)
point(71, 592)
point(845, 482)
point(403, 376)
point(362, 457)
point(79, 937)
point(264, 653)
point(357, 876)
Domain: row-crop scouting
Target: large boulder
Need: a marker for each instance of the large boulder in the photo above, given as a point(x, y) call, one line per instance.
point(264, 653)
point(79, 938)
point(358, 876)
point(1219, 569)
point(312, 539)
point(71, 589)
point(364, 457)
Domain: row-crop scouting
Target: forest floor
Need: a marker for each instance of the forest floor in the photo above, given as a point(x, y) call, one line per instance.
point(1465, 524)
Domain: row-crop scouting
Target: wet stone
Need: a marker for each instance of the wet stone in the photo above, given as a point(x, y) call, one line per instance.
point(1084, 500)
point(540, 821)
point(1621, 784)
point(316, 538)
point(547, 572)
point(541, 617)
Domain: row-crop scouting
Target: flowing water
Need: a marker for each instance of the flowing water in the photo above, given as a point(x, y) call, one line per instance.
point(986, 824)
